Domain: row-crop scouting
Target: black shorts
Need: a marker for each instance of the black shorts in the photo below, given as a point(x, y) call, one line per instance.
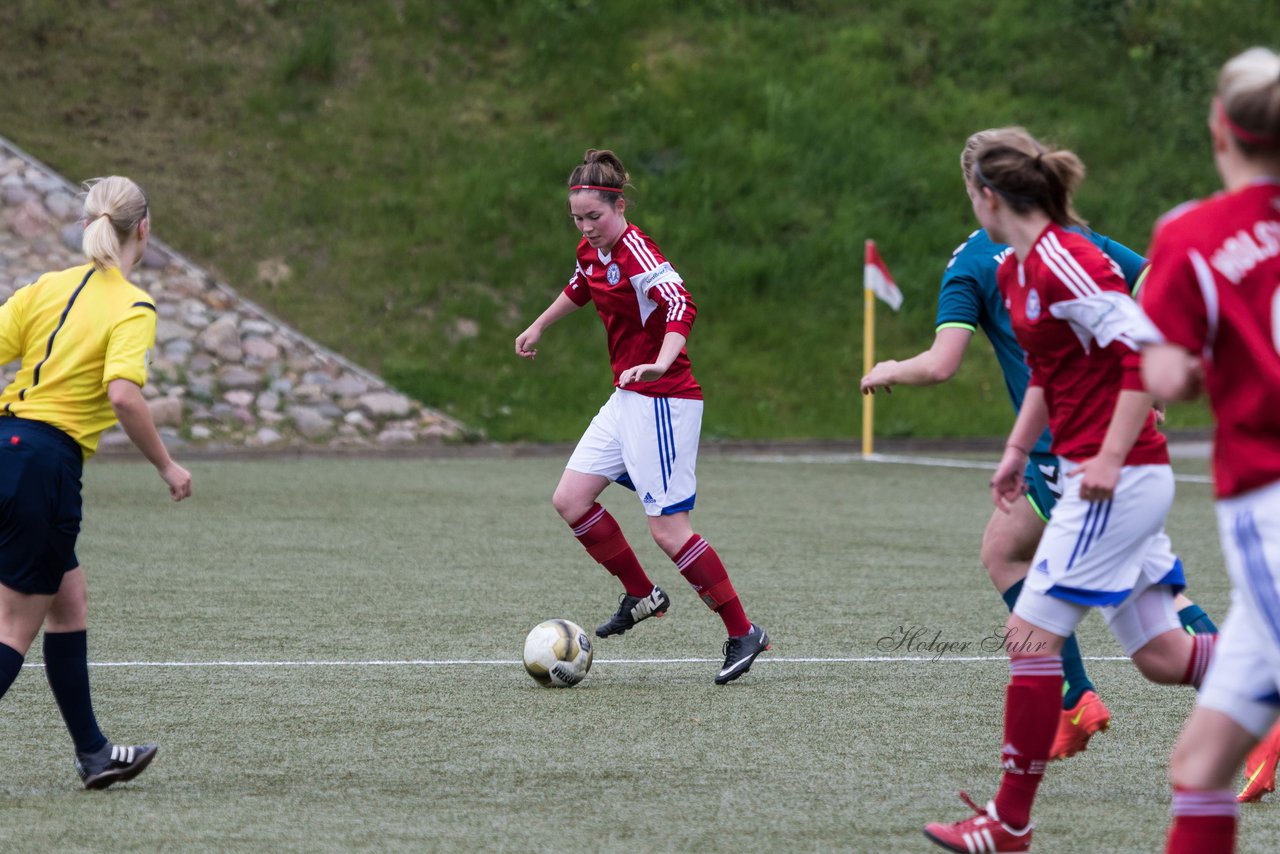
point(40, 470)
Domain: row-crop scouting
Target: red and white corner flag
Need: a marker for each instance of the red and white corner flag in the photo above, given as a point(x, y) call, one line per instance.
point(877, 279)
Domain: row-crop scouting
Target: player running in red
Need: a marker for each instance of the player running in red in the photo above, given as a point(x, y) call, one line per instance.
point(646, 436)
point(1104, 546)
point(968, 300)
point(1214, 295)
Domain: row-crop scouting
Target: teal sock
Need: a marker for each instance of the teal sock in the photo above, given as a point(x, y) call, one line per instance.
point(1010, 596)
point(1196, 621)
point(1075, 680)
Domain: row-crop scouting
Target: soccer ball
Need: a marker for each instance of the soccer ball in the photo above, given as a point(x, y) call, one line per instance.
point(557, 653)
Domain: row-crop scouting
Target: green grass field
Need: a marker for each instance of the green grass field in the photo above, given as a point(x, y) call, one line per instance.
point(331, 564)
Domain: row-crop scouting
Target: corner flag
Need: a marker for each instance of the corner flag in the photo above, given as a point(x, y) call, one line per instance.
point(877, 279)
point(876, 282)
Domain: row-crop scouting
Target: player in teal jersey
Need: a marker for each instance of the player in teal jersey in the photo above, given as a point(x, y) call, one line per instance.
point(969, 300)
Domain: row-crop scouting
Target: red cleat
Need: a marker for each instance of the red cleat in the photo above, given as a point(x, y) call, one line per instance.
point(984, 832)
point(1079, 724)
point(1260, 768)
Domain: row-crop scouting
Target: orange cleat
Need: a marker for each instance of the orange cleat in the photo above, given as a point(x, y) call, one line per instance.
point(1260, 768)
point(1079, 724)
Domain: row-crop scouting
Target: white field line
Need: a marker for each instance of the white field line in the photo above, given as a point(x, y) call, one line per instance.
point(468, 662)
point(898, 459)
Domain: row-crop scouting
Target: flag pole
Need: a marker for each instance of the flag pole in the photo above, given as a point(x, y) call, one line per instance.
point(868, 356)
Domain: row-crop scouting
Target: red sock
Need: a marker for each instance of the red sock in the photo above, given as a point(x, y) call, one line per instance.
point(701, 567)
point(1032, 706)
point(1204, 822)
point(1201, 655)
point(603, 539)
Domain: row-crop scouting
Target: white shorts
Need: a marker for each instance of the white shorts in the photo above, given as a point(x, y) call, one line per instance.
point(1135, 622)
point(649, 444)
point(1112, 555)
point(1243, 681)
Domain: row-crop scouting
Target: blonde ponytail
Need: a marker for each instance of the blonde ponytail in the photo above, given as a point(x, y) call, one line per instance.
point(114, 207)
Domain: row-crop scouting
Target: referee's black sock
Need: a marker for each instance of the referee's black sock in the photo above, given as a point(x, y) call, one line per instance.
point(66, 664)
point(10, 666)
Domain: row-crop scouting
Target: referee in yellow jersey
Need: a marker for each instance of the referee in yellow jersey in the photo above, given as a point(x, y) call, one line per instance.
point(83, 336)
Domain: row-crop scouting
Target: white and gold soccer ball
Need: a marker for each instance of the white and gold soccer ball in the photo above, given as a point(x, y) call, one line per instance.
point(557, 653)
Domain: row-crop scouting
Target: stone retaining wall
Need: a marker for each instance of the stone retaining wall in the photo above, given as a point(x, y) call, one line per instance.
point(225, 374)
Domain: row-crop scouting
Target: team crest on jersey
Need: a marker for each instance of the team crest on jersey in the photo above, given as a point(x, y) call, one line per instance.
point(613, 273)
point(1033, 304)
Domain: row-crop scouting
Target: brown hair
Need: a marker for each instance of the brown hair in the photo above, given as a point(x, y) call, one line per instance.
point(1026, 174)
point(114, 207)
point(971, 146)
point(601, 171)
point(1249, 94)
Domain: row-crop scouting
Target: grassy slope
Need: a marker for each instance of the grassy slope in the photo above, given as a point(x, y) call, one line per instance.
point(406, 160)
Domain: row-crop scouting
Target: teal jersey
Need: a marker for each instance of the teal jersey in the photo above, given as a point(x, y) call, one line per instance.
point(970, 298)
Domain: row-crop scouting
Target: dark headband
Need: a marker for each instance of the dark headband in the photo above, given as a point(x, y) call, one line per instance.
point(1013, 197)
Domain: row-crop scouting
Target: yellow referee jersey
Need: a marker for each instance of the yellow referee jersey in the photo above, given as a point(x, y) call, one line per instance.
point(75, 331)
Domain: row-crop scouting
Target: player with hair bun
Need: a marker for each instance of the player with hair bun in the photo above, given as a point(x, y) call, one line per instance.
point(82, 335)
point(970, 299)
point(1104, 546)
point(1214, 296)
point(646, 436)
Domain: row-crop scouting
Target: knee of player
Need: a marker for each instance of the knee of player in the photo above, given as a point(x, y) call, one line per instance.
point(671, 533)
point(1159, 667)
point(669, 543)
point(1001, 567)
point(1190, 768)
point(1182, 769)
point(567, 504)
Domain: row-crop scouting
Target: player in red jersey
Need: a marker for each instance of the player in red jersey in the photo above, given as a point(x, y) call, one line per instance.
point(970, 299)
point(1104, 546)
point(1214, 296)
point(646, 436)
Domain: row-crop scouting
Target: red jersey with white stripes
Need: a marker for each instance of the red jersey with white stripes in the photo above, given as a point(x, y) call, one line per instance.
point(1214, 289)
point(1055, 297)
point(640, 297)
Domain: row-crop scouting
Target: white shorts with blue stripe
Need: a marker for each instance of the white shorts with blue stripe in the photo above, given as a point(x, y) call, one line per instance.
point(1244, 679)
point(649, 444)
point(1107, 555)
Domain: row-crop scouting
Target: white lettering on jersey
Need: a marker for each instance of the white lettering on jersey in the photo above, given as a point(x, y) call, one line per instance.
point(1243, 251)
point(956, 252)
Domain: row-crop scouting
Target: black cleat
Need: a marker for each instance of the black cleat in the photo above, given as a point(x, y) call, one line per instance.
point(633, 609)
point(114, 764)
point(739, 652)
